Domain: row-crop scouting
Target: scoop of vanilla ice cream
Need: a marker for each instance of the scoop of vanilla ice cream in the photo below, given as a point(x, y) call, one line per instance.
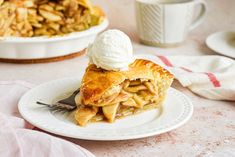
point(111, 50)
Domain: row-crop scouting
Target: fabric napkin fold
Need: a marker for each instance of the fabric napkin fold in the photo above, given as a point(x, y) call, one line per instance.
point(212, 77)
point(16, 135)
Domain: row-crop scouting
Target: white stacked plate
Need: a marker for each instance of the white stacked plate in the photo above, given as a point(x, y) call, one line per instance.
point(222, 42)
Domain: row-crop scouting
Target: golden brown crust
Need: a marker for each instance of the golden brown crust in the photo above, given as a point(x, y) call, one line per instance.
point(97, 81)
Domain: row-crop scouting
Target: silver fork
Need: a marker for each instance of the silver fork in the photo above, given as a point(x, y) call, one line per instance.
point(67, 104)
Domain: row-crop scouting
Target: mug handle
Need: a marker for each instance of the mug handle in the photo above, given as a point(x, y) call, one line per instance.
point(200, 17)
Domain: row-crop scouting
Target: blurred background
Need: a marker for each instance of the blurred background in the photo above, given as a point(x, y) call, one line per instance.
point(220, 16)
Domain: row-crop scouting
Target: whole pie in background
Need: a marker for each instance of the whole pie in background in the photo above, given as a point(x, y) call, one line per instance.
point(29, 18)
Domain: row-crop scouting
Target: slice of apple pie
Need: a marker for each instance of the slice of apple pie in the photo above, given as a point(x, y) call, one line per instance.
point(108, 95)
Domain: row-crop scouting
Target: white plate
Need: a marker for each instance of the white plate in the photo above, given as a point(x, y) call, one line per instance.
point(222, 43)
point(177, 110)
point(47, 47)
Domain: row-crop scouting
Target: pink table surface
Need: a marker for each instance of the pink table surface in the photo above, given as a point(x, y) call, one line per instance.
point(210, 132)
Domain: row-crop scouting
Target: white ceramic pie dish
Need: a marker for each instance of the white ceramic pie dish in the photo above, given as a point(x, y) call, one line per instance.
point(48, 47)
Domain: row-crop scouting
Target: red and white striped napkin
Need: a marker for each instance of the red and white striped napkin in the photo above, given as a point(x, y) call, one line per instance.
point(212, 77)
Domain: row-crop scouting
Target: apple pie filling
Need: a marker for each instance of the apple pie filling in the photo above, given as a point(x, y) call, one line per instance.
point(130, 97)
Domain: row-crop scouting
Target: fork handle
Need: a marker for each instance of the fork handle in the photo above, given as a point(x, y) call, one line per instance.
point(41, 103)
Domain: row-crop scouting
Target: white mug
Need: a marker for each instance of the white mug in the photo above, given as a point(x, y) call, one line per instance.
point(166, 23)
